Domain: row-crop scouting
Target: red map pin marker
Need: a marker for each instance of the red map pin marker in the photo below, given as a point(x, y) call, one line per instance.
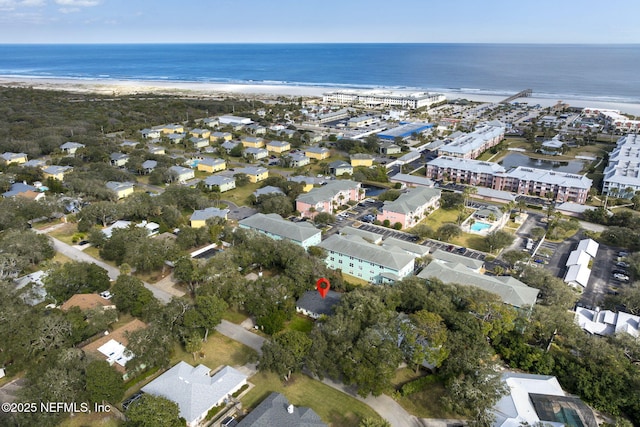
point(322, 285)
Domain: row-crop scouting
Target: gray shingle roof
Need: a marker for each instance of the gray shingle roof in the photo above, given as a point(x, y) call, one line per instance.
point(272, 412)
point(275, 224)
point(328, 191)
point(314, 303)
point(510, 290)
point(193, 389)
point(410, 201)
point(355, 246)
point(412, 179)
point(218, 180)
point(471, 263)
point(205, 214)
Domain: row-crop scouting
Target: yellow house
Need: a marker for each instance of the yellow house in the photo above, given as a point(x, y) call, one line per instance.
point(361, 160)
point(122, 189)
point(278, 146)
point(199, 217)
point(255, 174)
point(200, 133)
point(212, 165)
point(13, 158)
point(252, 142)
point(172, 128)
point(225, 136)
point(306, 181)
point(318, 153)
point(55, 172)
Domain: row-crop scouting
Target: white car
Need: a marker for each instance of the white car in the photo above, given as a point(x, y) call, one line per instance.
point(621, 277)
point(106, 294)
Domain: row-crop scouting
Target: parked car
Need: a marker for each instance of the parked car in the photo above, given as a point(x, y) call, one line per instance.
point(461, 251)
point(622, 264)
point(618, 271)
point(450, 248)
point(106, 295)
point(621, 277)
point(623, 254)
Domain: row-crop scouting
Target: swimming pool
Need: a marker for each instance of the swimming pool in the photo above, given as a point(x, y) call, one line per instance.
point(479, 226)
point(194, 163)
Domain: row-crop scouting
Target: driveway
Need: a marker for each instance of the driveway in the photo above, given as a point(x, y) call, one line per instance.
point(240, 334)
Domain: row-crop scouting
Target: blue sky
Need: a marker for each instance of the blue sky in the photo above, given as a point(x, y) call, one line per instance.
point(231, 21)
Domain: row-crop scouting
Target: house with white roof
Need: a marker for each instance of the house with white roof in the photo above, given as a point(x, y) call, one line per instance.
point(194, 390)
point(470, 146)
point(255, 153)
point(223, 183)
point(297, 160)
point(70, 148)
point(539, 400)
point(607, 322)
point(122, 189)
point(578, 271)
point(56, 172)
point(182, 174)
point(277, 228)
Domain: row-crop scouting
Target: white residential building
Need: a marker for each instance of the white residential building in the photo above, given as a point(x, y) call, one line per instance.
point(275, 227)
point(622, 174)
point(384, 98)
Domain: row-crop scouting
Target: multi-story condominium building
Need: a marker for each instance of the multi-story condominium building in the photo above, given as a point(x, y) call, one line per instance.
point(561, 187)
point(274, 226)
point(383, 98)
point(622, 174)
point(465, 171)
point(329, 197)
point(470, 146)
point(614, 118)
point(356, 257)
point(411, 207)
point(334, 115)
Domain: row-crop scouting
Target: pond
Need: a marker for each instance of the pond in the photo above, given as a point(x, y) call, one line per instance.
point(513, 160)
point(372, 190)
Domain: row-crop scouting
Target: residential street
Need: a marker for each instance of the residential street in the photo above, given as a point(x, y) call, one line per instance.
point(77, 255)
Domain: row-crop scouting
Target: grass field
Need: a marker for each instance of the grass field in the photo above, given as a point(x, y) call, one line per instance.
point(300, 323)
point(333, 406)
point(425, 404)
point(354, 280)
point(218, 350)
point(234, 316)
point(95, 419)
point(65, 233)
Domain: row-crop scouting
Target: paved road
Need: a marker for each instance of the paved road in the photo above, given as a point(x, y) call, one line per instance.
point(240, 334)
point(8, 391)
point(388, 408)
point(77, 255)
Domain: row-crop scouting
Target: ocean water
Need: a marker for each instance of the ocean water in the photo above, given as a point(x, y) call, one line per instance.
point(592, 72)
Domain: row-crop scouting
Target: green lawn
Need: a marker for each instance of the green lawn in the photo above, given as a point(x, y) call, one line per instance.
point(234, 316)
point(65, 233)
point(425, 404)
point(217, 351)
point(300, 323)
point(333, 406)
point(101, 419)
point(239, 195)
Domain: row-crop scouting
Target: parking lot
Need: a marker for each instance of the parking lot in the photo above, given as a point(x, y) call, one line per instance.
point(387, 232)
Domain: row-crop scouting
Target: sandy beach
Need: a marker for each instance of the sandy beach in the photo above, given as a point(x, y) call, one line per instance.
point(218, 90)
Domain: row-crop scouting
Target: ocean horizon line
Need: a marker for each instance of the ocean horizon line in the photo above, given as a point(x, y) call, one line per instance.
point(315, 43)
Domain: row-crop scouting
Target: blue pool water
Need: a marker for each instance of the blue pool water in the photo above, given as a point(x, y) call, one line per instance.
point(194, 163)
point(479, 226)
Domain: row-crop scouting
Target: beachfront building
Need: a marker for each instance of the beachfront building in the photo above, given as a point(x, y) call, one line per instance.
point(199, 217)
point(219, 182)
point(195, 390)
point(328, 197)
point(383, 98)
point(622, 174)
point(614, 119)
point(451, 268)
point(277, 228)
point(121, 189)
point(411, 207)
point(9, 158)
point(558, 186)
point(278, 146)
point(361, 159)
point(255, 174)
point(318, 153)
point(252, 142)
point(404, 131)
point(376, 264)
point(211, 165)
point(470, 146)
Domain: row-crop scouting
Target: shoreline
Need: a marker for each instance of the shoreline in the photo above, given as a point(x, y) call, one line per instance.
point(218, 90)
